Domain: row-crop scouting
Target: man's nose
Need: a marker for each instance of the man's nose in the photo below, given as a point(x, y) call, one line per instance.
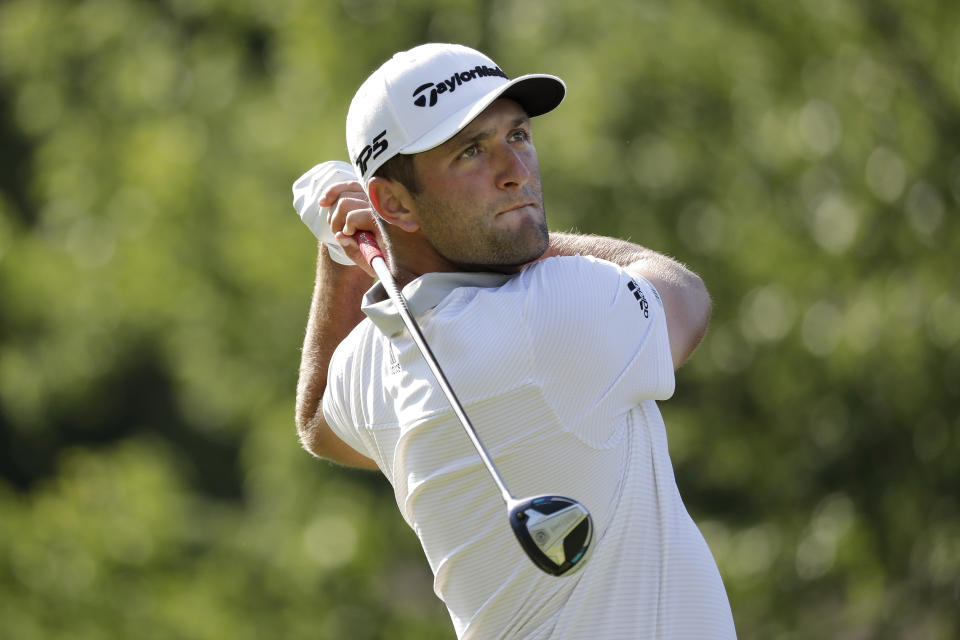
point(513, 171)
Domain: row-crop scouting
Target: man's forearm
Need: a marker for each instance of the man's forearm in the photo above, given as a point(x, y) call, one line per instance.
point(628, 255)
point(334, 312)
point(617, 251)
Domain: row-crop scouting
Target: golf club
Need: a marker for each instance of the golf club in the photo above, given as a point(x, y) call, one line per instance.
point(554, 531)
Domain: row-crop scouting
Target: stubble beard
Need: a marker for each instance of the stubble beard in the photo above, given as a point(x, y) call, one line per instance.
point(486, 248)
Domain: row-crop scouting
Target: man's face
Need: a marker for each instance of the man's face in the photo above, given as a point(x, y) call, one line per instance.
point(480, 203)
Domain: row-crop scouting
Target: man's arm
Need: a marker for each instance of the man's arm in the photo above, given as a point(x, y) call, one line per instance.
point(685, 298)
point(334, 312)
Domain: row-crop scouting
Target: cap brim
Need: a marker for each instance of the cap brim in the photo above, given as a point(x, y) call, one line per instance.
point(536, 93)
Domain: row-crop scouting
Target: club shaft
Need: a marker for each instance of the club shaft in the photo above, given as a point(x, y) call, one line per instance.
point(386, 278)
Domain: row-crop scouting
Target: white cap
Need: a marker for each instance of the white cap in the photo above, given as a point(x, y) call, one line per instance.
point(420, 98)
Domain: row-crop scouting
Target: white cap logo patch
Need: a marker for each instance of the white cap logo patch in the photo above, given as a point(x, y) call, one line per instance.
point(451, 83)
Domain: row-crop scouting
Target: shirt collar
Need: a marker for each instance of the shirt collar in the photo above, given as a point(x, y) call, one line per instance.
point(422, 294)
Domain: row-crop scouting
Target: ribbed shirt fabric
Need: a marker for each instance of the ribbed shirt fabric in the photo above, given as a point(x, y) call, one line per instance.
point(559, 368)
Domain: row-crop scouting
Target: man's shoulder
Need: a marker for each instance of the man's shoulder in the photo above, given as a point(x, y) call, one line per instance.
point(574, 263)
point(569, 271)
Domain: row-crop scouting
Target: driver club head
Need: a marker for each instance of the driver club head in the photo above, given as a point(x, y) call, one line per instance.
point(555, 532)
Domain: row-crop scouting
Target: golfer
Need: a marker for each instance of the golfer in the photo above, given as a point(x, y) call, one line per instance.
point(558, 345)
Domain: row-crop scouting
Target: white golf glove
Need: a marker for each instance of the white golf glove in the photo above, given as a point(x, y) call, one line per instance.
point(307, 191)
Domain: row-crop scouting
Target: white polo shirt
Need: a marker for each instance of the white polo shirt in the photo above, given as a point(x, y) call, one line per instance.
point(559, 368)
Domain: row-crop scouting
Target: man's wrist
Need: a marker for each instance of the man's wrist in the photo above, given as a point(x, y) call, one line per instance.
point(339, 275)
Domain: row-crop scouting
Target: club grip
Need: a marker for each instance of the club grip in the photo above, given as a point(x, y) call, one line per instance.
point(368, 246)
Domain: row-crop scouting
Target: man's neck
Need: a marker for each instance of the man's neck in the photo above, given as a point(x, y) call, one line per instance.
point(410, 257)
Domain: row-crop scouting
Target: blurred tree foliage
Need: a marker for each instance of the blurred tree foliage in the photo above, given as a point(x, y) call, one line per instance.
point(154, 285)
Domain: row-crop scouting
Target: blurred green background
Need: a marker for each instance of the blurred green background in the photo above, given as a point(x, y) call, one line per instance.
point(804, 157)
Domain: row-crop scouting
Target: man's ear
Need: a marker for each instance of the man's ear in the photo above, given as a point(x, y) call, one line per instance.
point(394, 204)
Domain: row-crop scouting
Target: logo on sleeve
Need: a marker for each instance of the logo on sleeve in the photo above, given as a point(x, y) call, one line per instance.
point(638, 294)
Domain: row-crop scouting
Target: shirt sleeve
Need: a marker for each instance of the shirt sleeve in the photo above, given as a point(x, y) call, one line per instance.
point(337, 406)
point(600, 330)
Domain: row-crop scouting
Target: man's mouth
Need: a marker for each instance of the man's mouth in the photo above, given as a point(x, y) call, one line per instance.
point(518, 206)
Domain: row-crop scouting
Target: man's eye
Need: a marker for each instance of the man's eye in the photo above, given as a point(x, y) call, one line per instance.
point(520, 136)
point(469, 152)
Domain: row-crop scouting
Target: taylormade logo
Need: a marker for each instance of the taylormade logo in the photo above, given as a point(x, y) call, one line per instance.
point(451, 84)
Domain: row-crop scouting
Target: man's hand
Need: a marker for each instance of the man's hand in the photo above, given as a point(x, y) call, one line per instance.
point(349, 211)
point(307, 190)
